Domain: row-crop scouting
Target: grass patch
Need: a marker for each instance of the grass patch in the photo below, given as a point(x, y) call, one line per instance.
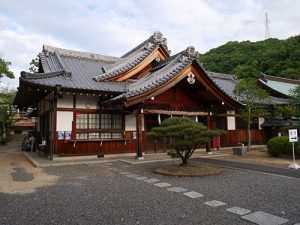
point(188, 170)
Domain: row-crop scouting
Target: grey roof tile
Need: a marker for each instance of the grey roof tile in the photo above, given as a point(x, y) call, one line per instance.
point(133, 57)
point(158, 77)
point(83, 70)
point(227, 83)
point(79, 54)
point(84, 67)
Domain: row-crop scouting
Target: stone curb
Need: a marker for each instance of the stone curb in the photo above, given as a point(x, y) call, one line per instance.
point(36, 164)
point(31, 160)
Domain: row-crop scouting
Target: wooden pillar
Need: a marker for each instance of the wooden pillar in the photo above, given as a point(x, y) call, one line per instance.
point(54, 118)
point(139, 137)
point(208, 122)
point(208, 144)
point(73, 134)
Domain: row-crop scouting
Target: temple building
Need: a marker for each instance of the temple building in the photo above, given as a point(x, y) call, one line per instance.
point(91, 104)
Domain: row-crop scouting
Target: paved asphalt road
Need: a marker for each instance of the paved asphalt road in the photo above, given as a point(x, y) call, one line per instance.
point(105, 194)
point(252, 167)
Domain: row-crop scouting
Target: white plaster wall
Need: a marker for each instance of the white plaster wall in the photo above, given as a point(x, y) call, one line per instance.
point(261, 120)
point(86, 102)
point(231, 124)
point(64, 121)
point(130, 122)
point(66, 101)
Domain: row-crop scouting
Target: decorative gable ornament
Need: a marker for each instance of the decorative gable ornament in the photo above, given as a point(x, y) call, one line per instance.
point(165, 42)
point(157, 36)
point(148, 46)
point(191, 51)
point(191, 78)
point(182, 58)
point(68, 75)
point(157, 59)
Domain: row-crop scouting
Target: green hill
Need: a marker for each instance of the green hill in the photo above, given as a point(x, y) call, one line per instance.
point(272, 57)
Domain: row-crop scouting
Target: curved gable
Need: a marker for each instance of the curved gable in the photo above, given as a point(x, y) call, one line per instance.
point(185, 65)
point(136, 60)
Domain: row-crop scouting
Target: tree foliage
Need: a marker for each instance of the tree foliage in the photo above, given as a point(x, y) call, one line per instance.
point(34, 65)
point(4, 70)
point(272, 56)
point(6, 114)
point(284, 111)
point(183, 134)
point(253, 98)
point(295, 100)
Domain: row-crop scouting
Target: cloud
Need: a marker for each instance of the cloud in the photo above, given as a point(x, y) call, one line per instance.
point(19, 48)
point(114, 27)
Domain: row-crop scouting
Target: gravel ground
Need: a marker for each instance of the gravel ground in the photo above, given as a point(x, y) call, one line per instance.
point(94, 194)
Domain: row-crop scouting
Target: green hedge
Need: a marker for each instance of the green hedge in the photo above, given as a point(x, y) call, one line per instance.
point(297, 149)
point(281, 146)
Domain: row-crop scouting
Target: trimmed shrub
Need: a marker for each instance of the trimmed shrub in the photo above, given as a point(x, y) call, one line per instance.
point(281, 146)
point(289, 150)
point(278, 145)
point(297, 150)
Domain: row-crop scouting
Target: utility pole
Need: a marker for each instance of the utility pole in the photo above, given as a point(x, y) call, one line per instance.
point(267, 22)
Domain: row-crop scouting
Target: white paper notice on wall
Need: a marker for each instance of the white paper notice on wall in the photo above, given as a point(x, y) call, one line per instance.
point(64, 121)
point(293, 135)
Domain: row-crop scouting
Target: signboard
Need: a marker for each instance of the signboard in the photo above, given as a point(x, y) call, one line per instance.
point(134, 135)
point(293, 136)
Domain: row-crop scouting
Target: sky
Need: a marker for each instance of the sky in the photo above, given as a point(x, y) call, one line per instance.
point(113, 27)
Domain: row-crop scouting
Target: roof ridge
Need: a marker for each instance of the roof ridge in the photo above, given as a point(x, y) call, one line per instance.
point(157, 38)
point(189, 52)
point(149, 82)
point(79, 54)
point(44, 62)
point(134, 57)
point(124, 64)
point(224, 76)
point(280, 78)
point(42, 75)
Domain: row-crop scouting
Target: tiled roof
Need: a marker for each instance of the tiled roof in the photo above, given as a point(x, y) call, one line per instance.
point(279, 101)
point(87, 71)
point(279, 79)
point(279, 85)
point(133, 57)
point(157, 78)
point(73, 70)
point(79, 55)
point(278, 123)
point(227, 83)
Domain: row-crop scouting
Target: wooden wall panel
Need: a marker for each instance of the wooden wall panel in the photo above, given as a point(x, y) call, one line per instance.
point(175, 96)
point(66, 148)
point(234, 137)
point(231, 138)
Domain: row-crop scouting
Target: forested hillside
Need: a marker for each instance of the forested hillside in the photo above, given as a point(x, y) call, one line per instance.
point(272, 57)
